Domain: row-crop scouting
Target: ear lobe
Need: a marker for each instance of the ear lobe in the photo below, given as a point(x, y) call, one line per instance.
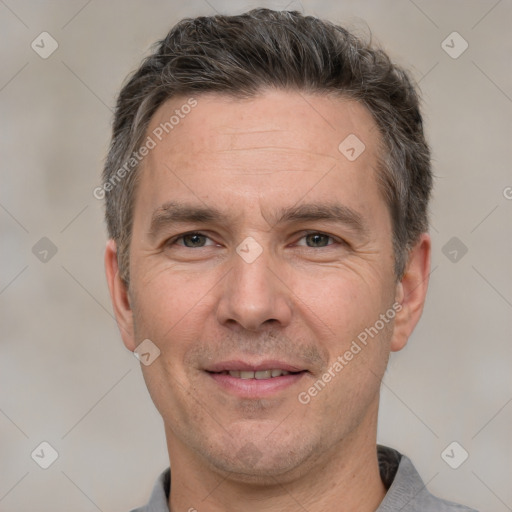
point(411, 292)
point(119, 296)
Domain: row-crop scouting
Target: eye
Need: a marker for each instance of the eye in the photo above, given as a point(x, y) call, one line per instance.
point(318, 240)
point(190, 240)
point(196, 240)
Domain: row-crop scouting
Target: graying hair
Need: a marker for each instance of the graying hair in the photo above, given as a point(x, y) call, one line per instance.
point(245, 54)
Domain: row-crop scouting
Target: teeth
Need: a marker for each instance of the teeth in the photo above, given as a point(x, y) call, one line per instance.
point(262, 374)
point(259, 375)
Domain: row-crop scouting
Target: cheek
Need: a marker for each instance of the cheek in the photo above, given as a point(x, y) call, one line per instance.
point(167, 300)
point(169, 309)
point(350, 382)
point(342, 303)
point(345, 315)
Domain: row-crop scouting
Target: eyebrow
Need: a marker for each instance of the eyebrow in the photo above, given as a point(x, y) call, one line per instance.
point(174, 212)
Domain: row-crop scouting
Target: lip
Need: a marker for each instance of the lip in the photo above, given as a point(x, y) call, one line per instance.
point(255, 388)
point(253, 367)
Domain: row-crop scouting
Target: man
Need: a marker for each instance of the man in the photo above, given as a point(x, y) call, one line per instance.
point(266, 195)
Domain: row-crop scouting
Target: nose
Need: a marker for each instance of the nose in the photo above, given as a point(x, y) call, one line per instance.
point(254, 295)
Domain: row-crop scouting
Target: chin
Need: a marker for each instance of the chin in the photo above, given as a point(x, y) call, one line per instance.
point(263, 463)
point(260, 474)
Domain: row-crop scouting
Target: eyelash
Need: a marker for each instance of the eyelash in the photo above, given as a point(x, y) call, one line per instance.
point(337, 241)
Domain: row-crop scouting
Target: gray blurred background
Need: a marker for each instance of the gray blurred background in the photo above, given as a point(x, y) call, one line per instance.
point(65, 376)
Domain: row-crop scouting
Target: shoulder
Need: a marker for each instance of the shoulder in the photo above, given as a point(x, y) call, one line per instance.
point(408, 493)
point(160, 495)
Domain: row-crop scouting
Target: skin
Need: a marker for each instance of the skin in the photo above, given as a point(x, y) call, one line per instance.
point(303, 301)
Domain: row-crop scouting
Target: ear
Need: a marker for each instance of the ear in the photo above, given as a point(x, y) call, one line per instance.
point(119, 296)
point(411, 292)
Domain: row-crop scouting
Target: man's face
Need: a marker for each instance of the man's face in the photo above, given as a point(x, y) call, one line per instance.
point(293, 264)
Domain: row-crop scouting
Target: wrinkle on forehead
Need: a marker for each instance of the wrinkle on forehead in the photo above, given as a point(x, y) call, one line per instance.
point(226, 140)
point(220, 122)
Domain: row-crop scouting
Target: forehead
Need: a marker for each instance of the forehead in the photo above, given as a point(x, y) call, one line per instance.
point(305, 122)
point(278, 145)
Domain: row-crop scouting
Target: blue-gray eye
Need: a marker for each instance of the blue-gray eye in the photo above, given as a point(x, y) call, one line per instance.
point(195, 239)
point(317, 240)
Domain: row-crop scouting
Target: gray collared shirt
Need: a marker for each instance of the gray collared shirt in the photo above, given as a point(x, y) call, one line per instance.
point(406, 491)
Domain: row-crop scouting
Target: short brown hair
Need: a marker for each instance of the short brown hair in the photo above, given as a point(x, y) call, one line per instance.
point(244, 54)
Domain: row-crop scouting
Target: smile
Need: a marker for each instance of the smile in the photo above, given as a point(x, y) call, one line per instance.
point(254, 381)
point(258, 375)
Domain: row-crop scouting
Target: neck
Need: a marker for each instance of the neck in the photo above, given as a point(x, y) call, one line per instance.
point(345, 479)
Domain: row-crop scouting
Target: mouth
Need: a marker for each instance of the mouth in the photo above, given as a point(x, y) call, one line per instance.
point(262, 380)
point(258, 375)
